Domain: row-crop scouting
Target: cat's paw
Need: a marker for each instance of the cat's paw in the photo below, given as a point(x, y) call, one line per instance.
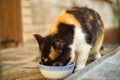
point(97, 56)
point(78, 68)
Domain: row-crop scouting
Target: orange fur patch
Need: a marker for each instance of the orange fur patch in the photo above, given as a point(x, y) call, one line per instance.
point(52, 53)
point(66, 18)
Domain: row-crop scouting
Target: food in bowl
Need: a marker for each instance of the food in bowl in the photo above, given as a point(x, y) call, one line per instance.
point(56, 72)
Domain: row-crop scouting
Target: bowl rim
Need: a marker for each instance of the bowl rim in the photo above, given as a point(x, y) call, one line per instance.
point(57, 68)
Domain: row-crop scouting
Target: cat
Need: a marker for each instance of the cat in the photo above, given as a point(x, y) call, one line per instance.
point(74, 34)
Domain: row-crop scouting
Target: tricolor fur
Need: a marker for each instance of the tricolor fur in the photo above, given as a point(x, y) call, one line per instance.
point(73, 35)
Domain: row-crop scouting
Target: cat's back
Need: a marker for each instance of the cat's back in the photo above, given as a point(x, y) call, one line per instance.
point(65, 18)
point(79, 17)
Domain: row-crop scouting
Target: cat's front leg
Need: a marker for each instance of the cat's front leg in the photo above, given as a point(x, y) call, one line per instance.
point(81, 57)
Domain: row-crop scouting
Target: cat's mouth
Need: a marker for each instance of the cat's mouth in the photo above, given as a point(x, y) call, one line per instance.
point(58, 64)
point(54, 64)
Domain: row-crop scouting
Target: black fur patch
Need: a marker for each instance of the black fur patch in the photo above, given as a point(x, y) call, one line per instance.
point(65, 33)
point(47, 45)
point(88, 18)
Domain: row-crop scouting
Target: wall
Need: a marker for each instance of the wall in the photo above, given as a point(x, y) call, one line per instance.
point(45, 11)
point(27, 26)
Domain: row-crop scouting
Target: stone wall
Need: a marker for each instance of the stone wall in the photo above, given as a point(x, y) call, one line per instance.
point(45, 11)
point(27, 26)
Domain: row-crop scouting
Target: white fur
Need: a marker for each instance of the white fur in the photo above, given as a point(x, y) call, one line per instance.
point(81, 47)
point(72, 53)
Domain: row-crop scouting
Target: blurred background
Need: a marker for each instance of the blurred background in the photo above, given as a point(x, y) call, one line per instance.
point(20, 19)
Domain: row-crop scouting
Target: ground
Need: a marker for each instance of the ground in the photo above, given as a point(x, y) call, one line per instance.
point(21, 63)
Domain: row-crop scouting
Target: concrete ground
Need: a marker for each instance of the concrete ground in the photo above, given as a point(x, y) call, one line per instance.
point(21, 63)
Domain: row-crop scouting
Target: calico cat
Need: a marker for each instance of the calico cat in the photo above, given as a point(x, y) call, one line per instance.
point(74, 34)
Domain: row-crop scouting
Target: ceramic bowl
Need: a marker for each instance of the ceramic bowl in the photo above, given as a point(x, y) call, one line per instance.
point(56, 72)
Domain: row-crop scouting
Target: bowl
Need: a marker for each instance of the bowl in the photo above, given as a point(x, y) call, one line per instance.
point(56, 72)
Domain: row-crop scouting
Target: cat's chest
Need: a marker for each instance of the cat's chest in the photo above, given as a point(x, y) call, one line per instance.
point(79, 40)
point(79, 36)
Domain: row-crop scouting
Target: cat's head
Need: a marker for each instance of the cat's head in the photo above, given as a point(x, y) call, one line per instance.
point(54, 51)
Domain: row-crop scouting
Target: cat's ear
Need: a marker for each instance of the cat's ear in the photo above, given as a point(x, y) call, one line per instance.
point(59, 44)
point(39, 39)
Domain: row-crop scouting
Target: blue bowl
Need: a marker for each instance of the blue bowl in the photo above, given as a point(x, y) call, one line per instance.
point(56, 72)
